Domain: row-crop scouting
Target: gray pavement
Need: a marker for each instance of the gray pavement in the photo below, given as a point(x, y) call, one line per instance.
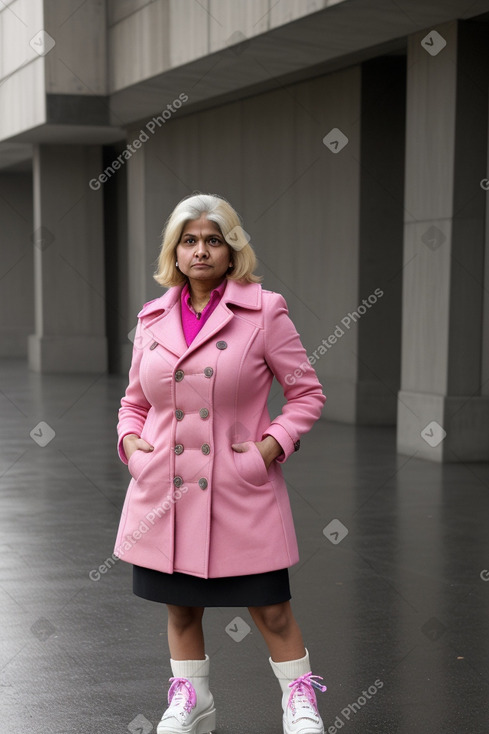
point(394, 613)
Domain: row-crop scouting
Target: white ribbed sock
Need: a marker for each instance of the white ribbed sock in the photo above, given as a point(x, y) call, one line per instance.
point(190, 668)
point(289, 670)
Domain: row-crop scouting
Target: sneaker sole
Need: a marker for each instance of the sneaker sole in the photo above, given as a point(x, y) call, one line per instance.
point(303, 731)
point(203, 724)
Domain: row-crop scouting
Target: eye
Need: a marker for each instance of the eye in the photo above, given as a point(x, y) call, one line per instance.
point(214, 241)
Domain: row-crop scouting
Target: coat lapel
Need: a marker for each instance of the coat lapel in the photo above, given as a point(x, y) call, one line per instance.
point(162, 319)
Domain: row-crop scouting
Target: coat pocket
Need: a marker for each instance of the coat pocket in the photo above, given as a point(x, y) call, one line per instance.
point(250, 465)
point(137, 462)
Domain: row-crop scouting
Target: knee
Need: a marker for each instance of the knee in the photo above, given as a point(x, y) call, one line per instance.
point(276, 618)
point(183, 617)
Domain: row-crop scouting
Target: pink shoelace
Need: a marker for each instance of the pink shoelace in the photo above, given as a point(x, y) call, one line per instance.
point(182, 687)
point(302, 691)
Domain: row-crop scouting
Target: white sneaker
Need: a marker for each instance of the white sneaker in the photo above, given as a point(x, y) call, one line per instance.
point(301, 715)
point(191, 705)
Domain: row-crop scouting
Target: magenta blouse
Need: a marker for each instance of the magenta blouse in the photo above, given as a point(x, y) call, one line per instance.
point(192, 322)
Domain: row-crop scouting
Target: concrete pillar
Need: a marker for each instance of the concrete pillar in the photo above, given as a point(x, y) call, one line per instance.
point(68, 261)
point(444, 233)
point(16, 270)
point(146, 215)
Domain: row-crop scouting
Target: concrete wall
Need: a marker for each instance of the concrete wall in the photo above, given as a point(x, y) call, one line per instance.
point(48, 47)
point(139, 41)
point(148, 37)
point(77, 64)
point(22, 99)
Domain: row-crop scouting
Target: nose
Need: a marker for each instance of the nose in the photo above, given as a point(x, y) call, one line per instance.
point(200, 248)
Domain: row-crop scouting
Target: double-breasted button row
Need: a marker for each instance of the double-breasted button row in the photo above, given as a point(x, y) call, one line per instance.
point(203, 412)
point(205, 448)
point(208, 372)
point(178, 481)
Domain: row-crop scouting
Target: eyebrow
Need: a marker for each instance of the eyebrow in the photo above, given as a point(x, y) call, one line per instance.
point(191, 234)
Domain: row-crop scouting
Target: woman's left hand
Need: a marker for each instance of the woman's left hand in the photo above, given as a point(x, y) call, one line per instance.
point(269, 448)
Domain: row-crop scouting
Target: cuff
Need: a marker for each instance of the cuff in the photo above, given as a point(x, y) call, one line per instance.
point(120, 447)
point(288, 445)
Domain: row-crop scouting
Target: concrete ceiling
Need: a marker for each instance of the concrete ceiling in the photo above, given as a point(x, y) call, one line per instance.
point(334, 38)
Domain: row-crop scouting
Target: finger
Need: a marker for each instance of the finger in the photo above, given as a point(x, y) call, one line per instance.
point(144, 445)
point(239, 448)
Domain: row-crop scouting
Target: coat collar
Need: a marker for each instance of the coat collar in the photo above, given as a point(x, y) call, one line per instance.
point(247, 295)
point(161, 318)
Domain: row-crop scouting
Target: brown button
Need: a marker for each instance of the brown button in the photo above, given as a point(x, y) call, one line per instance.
point(203, 483)
point(204, 413)
point(221, 345)
point(179, 414)
point(177, 481)
point(179, 375)
point(205, 448)
point(154, 345)
point(179, 448)
point(208, 372)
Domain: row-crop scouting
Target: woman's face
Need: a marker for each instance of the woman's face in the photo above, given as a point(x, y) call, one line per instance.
point(202, 253)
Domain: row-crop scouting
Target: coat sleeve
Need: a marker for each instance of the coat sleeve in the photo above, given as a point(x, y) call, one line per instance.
point(288, 361)
point(134, 405)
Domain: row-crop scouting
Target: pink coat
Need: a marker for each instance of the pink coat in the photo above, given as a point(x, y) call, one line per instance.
point(193, 504)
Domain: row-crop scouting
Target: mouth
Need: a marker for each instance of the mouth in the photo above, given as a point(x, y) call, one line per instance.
point(200, 265)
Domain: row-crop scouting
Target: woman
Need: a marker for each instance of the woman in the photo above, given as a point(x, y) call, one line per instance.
point(206, 519)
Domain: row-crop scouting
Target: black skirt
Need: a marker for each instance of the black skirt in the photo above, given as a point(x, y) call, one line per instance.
point(181, 589)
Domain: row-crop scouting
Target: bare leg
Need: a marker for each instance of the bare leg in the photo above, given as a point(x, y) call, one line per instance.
point(185, 634)
point(281, 632)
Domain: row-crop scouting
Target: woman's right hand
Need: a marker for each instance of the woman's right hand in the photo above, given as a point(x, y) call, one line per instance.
point(132, 443)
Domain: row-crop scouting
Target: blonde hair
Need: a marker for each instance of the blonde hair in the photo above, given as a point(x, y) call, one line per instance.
point(221, 212)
